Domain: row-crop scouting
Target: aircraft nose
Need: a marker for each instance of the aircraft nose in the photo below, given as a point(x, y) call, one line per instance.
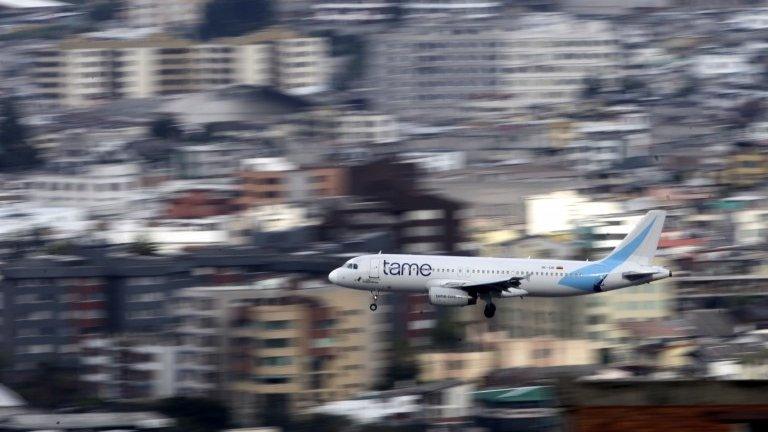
point(334, 276)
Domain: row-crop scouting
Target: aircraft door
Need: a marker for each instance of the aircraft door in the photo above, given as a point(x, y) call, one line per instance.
point(374, 267)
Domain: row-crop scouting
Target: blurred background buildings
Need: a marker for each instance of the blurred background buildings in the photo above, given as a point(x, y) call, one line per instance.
point(178, 177)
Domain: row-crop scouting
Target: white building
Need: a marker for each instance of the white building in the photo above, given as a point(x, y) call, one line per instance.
point(59, 222)
point(164, 14)
point(421, 9)
point(750, 226)
point(436, 161)
point(754, 19)
point(302, 64)
point(170, 234)
point(121, 368)
point(563, 211)
point(101, 188)
point(358, 127)
point(81, 72)
point(758, 131)
point(352, 11)
point(276, 217)
point(710, 65)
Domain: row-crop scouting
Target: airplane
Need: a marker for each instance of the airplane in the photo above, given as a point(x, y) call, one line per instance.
point(459, 281)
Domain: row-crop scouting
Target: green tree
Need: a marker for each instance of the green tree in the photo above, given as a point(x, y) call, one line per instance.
point(226, 18)
point(196, 414)
point(592, 87)
point(164, 127)
point(104, 10)
point(15, 152)
point(142, 246)
point(320, 423)
point(446, 333)
point(356, 49)
point(750, 110)
point(59, 248)
point(51, 387)
point(403, 366)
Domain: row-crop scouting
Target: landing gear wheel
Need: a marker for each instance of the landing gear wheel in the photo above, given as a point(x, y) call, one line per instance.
point(490, 310)
point(375, 298)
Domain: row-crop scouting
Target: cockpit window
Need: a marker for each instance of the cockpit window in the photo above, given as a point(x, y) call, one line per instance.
point(352, 266)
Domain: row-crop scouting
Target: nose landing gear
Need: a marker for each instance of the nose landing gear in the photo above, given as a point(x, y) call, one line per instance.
point(374, 305)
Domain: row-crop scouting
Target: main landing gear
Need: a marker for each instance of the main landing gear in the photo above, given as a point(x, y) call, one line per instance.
point(490, 310)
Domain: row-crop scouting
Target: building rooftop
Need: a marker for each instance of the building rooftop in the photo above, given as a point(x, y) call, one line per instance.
point(90, 421)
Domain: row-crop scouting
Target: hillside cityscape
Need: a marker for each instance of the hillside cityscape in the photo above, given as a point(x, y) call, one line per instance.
point(178, 178)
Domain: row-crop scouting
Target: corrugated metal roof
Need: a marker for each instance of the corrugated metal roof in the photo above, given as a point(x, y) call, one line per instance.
point(515, 394)
point(29, 4)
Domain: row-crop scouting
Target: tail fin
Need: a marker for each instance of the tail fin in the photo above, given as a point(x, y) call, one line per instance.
point(640, 245)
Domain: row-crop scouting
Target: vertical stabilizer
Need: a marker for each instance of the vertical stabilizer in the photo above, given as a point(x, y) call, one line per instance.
point(640, 245)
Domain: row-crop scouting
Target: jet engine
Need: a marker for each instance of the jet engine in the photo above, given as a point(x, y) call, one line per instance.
point(450, 297)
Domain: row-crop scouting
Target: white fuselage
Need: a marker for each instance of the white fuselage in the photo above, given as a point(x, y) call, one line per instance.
point(537, 277)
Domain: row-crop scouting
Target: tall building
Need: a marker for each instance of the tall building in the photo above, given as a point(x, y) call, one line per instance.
point(51, 305)
point(436, 71)
point(299, 345)
point(100, 188)
point(204, 325)
point(165, 14)
point(81, 72)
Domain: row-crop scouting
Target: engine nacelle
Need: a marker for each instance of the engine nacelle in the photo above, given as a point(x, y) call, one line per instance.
point(450, 297)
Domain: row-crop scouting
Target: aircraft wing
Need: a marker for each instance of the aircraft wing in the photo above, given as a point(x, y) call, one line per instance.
point(506, 287)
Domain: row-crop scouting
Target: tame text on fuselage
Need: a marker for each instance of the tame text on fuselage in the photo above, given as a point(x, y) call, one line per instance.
point(394, 268)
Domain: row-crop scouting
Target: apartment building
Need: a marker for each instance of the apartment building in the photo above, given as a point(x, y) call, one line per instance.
point(267, 181)
point(547, 57)
point(50, 305)
point(431, 70)
point(82, 72)
point(204, 316)
point(165, 14)
point(296, 344)
point(437, 71)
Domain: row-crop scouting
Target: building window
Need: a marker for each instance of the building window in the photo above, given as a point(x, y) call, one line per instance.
point(277, 343)
point(278, 325)
point(276, 361)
